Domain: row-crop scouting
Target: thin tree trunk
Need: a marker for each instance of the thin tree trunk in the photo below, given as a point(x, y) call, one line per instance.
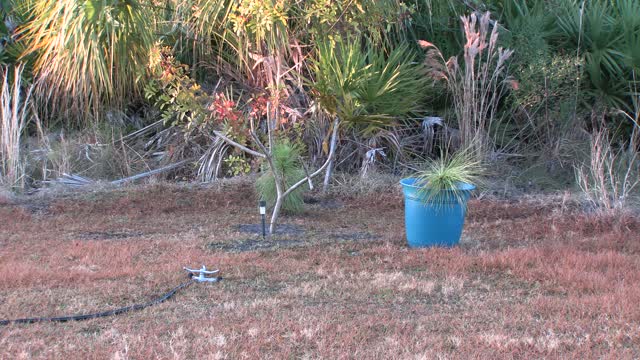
point(275, 214)
point(327, 175)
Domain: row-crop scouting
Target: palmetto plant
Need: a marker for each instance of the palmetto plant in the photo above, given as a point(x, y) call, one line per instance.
point(364, 86)
point(88, 53)
point(607, 34)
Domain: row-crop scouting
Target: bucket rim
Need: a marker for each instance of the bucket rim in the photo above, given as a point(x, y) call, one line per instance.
point(461, 186)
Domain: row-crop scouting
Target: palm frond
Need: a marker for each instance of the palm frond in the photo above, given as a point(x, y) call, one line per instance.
point(88, 53)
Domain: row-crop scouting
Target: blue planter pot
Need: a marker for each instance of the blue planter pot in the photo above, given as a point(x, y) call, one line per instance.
point(437, 221)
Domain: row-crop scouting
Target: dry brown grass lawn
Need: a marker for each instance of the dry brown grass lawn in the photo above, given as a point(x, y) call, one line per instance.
point(528, 281)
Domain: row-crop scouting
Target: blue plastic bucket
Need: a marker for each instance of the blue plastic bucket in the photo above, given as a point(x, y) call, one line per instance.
point(435, 222)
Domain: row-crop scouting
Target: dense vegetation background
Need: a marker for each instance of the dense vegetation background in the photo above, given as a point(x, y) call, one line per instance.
point(544, 91)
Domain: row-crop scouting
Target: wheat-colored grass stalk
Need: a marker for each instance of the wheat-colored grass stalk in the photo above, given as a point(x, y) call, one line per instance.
point(477, 85)
point(611, 176)
point(13, 119)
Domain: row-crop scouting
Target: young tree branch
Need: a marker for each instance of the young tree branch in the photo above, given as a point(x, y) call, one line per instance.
point(237, 145)
point(332, 150)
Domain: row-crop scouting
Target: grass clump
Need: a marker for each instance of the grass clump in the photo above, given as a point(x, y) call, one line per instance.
point(286, 159)
point(610, 178)
point(441, 179)
point(14, 114)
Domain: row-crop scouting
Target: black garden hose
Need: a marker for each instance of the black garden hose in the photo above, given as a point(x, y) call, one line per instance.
point(101, 314)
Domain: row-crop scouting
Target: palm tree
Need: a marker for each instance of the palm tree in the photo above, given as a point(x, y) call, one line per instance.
point(366, 88)
point(87, 53)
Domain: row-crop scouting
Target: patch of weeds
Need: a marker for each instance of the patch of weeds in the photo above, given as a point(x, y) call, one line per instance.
point(91, 331)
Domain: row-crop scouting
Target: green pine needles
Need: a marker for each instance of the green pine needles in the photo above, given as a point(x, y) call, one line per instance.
point(286, 159)
point(446, 180)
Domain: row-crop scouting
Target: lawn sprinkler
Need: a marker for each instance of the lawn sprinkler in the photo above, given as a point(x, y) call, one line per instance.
point(201, 274)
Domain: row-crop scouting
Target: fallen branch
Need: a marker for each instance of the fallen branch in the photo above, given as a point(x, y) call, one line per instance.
point(150, 173)
point(237, 145)
point(79, 181)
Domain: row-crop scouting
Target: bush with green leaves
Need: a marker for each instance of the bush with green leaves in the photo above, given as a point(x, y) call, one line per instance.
point(366, 86)
point(178, 97)
point(544, 106)
point(437, 21)
point(286, 159)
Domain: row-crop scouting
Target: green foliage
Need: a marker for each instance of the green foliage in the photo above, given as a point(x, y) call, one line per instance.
point(364, 86)
point(237, 165)
point(542, 109)
point(445, 174)
point(198, 30)
point(550, 79)
point(178, 97)
point(88, 53)
point(286, 159)
point(10, 18)
point(437, 21)
point(607, 34)
point(530, 27)
point(378, 20)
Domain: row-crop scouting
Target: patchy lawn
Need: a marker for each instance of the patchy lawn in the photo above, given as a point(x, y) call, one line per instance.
point(531, 279)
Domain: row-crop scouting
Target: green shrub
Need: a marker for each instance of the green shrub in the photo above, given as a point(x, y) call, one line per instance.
point(286, 159)
point(607, 34)
point(173, 92)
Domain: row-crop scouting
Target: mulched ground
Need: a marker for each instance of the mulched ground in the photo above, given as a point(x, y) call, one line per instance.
point(532, 278)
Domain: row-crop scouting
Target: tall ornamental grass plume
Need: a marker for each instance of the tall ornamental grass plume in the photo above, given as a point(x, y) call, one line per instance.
point(286, 159)
point(15, 104)
point(477, 85)
point(87, 53)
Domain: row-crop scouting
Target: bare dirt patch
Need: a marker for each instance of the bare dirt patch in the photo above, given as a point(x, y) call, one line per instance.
point(287, 235)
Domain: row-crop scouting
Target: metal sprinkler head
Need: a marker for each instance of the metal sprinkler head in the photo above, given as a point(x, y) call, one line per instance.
point(201, 274)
